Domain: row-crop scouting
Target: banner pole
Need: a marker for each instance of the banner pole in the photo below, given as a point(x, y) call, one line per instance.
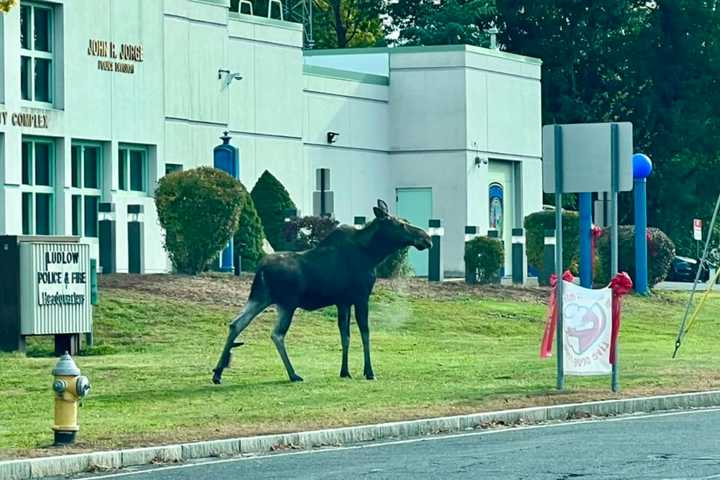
point(559, 256)
point(615, 167)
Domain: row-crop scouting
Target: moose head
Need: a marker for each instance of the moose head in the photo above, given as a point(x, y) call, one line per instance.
point(397, 233)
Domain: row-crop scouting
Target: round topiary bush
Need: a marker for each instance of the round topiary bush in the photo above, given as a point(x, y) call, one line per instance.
point(304, 233)
point(661, 251)
point(199, 210)
point(485, 257)
point(249, 237)
point(535, 226)
point(272, 202)
point(395, 265)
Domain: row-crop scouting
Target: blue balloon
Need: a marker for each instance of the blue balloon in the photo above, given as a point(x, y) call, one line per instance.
point(642, 165)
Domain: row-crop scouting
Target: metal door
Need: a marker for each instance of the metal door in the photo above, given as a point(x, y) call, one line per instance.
point(415, 206)
point(500, 205)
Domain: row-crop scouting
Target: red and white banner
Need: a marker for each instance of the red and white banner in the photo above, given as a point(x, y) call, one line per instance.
point(591, 325)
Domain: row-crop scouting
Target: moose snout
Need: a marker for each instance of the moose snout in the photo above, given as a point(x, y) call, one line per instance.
point(423, 242)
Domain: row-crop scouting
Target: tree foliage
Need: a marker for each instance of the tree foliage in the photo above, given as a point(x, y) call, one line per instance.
point(272, 202)
point(304, 233)
point(655, 64)
point(249, 237)
point(199, 210)
point(347, 23)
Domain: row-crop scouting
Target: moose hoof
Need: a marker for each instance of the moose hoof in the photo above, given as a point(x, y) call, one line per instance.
point(217, 377)
point(295, 378)
point(370, 376)
point(345, 375)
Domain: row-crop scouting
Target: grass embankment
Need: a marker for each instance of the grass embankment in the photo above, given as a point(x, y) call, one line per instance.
point(433, 354)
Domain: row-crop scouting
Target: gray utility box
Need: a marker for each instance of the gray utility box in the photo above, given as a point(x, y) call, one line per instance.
point(45, 291)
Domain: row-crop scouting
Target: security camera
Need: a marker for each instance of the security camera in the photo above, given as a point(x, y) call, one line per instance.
point(332, 137)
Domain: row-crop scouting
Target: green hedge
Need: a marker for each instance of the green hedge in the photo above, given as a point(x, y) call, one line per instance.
point(304, 233)
point(661, 251)
point(272, 202)
point(535, 226)
point(199, 210)
point(249, 237)
point(485, 257)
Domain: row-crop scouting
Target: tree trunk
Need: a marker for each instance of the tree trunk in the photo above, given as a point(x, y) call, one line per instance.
point(340, 27)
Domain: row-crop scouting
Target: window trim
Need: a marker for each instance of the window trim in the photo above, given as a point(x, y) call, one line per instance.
point(33, 54)
point(82, 191)
point(145, 151)
point(33, 189)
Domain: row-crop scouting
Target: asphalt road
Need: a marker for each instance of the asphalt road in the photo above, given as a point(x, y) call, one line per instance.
point(678, 445)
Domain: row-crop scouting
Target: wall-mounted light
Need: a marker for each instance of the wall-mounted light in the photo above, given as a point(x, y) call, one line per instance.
point(479, 160)
point(332, 137)
point(229, 76)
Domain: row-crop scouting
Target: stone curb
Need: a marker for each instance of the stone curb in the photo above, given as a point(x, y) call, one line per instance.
point(111, 460)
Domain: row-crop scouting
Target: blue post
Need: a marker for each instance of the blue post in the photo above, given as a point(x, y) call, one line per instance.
point(585, 240)
point(226, 158)
point(642, 166)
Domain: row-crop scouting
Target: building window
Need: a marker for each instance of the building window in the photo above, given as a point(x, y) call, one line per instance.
point(86, 183)
point(36, 54)
point(38, 187)
point(132, 169)
point(172, 167)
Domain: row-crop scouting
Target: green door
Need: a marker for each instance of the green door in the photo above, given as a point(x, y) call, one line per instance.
point(415, 206)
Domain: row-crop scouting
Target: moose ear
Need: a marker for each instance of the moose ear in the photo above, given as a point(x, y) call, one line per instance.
point(380, 213)
point(382, 206)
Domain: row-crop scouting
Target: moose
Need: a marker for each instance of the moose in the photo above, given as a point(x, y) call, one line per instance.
point(339, 271)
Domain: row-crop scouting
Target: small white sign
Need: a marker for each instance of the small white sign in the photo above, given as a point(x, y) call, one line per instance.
point(697, 229)
point(587, 325)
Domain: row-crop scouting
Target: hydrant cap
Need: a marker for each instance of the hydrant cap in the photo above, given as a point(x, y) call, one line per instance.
point(66, 367)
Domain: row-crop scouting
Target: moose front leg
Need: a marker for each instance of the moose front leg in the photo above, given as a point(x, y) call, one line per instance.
point(344, 327)
point(361, 315)
point(278, 337)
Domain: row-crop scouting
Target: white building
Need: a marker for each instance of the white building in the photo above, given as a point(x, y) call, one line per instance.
point(100, 98)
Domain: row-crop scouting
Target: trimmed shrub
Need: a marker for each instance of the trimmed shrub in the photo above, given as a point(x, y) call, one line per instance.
point(271, 202)
point(249, 237)
point(395, 265)
point(199, 210)
point(661, 251)
point(535, 226)
point(304, 233)
point(485, 257)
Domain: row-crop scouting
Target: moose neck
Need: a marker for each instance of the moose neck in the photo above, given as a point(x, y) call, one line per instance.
point(375, 247)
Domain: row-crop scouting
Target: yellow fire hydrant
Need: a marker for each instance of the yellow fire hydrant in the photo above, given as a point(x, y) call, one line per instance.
point(70, 387)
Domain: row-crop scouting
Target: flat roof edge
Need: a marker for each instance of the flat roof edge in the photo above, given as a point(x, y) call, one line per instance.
point(337, 74)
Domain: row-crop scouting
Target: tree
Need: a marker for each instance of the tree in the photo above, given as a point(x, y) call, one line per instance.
point(428, 22)
point(347, 23)
point(199, 210)
point(6, 5)
point(249, 237)
point(272, 202)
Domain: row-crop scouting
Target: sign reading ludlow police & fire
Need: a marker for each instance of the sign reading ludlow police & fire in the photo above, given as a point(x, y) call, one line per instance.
point(55, 293)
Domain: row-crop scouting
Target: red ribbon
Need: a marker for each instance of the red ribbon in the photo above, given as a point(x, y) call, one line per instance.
point(551, 323)
point(620, 285)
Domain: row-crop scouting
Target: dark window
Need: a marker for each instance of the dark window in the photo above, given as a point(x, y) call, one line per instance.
point(42, 214)
point(91, 167)
point(91, 216)
point(26, 164)
point(43, 175)
point(25, 77)
point(42, 80)
point(41, 41)
point(25, 26)
point(76, 167)
point(137, 171)
point(27, 213)
point(172, 167)
point(122, 170)
point(76, 212)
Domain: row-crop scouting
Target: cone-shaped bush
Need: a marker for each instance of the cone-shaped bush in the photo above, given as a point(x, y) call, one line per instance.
point(199, 210)
point(272, 202)
point(249, 237)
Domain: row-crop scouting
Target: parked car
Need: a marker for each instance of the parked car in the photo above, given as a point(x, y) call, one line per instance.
point(684, 269)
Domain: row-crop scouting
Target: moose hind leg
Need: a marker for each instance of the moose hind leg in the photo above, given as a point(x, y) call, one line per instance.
point(361, 315)
point(285, 316)
point(251, 310)
point(344, 327)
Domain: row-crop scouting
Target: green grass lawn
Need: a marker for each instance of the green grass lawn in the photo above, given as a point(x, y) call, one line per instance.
point(151, 368)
